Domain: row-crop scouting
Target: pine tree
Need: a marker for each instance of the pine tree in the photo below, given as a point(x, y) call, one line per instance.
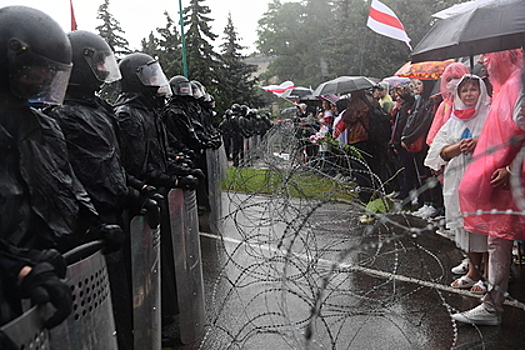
point(203, 61)
point(110, 29)
point(236, 82)
point(170, 48)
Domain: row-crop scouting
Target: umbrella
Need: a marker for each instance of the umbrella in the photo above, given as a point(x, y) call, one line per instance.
point(290, 111)
point(429, 70)
point(297, 92)
point(343, 84)
point(493, 26)
point(330, 98)
point(394, 81)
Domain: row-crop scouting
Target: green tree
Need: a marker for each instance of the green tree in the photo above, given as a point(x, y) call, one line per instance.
point(296, 33)
point(166, 47)
point(237, 84)
point(170, 48)
point(317, 40)
point(203, 61)
point(111, 31)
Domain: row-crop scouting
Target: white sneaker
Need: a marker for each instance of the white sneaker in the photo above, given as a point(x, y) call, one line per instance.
point(429, 212)
point(460, 269)
point(420, 211)
point(478, 316)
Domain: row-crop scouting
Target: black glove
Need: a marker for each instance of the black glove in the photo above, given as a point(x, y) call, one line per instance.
point(42, 285)
point(198, 173)
point(189, 153)
point(112, 235)
point(6, 343)
point(151, 210)
point(51, 256)
point(151, 193)
point(188, 182)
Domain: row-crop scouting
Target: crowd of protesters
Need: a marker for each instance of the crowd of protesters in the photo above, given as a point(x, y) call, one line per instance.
point(452, 148)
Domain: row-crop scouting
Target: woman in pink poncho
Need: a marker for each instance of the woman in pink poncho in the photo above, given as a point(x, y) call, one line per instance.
point(447, 85)
point(485, 185)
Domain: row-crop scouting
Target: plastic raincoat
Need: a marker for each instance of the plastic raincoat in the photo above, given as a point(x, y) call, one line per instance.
point(451, 133)
point(41, 200)
point(445, 108)
point(494, 151)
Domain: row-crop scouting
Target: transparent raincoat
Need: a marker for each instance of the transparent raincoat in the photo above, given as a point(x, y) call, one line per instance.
point(451, 133)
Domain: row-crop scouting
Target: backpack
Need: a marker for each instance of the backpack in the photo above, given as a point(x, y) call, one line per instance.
point(380, 129)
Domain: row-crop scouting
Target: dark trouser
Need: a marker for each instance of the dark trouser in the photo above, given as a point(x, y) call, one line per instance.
point(367, 170)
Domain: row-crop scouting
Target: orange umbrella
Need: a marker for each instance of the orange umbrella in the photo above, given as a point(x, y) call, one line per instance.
point(428, 70)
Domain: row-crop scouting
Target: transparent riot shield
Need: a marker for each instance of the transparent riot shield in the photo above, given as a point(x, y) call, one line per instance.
point(91, 324)
point(214, 178)
point(188, 266)
point(27, 330)
point(145, 281)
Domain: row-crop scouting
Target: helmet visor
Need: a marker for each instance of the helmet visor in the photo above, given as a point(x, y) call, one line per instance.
point(151, 74)
point(103, 64)
point(37, 78)
point(184, 89)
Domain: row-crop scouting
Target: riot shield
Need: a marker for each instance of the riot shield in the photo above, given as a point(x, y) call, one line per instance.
point(188, 266)
point(223, 163)
point(91, 324)
point(145, 281)
point(214, 190)
point(27, 331)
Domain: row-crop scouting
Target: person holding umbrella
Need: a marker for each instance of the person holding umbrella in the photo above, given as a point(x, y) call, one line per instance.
point(485, 185)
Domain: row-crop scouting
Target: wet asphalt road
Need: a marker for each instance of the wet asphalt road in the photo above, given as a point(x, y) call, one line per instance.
point(376, 286)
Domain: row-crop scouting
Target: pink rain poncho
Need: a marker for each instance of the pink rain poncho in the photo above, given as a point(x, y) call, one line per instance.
point(493, 152)
point(453, 71)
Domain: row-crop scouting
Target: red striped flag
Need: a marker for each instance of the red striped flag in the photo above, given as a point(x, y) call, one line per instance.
point(279, 89)
point(384, 21)
point(73, 19)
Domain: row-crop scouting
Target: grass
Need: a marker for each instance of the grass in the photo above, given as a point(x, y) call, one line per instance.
point(298, 184)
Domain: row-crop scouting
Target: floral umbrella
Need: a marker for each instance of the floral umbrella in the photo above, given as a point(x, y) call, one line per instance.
point(428, 70)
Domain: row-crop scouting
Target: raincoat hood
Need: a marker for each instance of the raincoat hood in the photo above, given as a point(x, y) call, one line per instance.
point(483, 103)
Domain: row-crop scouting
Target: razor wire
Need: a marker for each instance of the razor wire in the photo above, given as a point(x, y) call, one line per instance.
point(300, 271)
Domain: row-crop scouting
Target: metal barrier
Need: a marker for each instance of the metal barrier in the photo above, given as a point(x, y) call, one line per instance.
point(214, 178)
point(27, 330)
point(188, 266)
point(145, 271)
point(91, 324)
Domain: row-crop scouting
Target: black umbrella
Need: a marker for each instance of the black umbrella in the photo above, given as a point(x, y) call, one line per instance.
point(297, 92)
point(494, 26)
point(343, 84)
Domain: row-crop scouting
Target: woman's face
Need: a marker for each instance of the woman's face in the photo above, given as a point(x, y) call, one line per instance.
point(418, 87)
point(469, 93)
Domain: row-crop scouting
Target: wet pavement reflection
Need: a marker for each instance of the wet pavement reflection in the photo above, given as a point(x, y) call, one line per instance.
point(293, 274)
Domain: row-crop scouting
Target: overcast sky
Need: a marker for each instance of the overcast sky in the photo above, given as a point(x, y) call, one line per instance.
point(139, 18)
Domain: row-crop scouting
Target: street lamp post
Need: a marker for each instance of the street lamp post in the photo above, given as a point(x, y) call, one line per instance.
point(183, 40)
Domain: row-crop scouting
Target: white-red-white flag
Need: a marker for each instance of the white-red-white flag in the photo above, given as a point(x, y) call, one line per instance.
point(279, 89)
point(384, 21)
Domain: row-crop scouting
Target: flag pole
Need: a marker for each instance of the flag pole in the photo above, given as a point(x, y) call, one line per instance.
point(183, 40)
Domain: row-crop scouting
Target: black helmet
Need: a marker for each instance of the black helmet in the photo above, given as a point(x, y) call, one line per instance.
point(228, 112)
point(180, 86)
point(206, 96)
point(244, 110)
point(35, 55)
point(236, 108)
point(142, 73)
point(93, 61)
point(198, 94)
